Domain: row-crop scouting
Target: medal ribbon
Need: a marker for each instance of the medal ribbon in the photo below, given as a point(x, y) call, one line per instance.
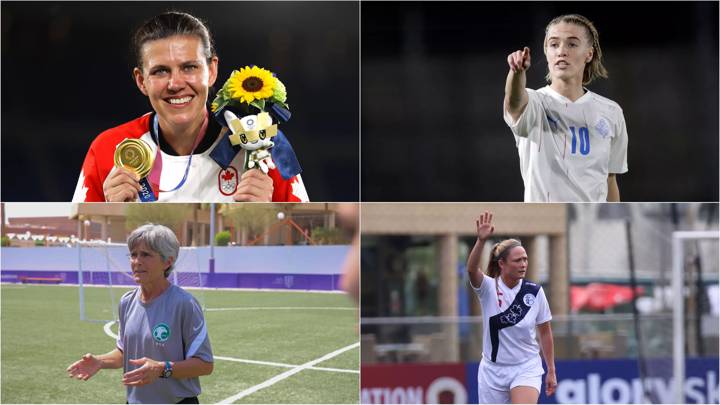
point(146, 191)
point(156, 170)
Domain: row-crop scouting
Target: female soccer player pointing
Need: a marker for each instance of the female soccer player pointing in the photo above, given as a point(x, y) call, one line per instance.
point(510, 370)
point(571, 141)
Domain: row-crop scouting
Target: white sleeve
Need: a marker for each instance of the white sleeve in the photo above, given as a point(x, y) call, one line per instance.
point(485, 288)
point(544, 314)
point(528, 119)
point(618, 147)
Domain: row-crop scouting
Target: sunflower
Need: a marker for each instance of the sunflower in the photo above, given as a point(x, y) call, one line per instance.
point(251, 83)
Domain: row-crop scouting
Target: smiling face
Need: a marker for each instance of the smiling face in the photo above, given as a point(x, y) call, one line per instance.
point(147, 266)
point(515, 264)
point(175, 76)
point(567, 49)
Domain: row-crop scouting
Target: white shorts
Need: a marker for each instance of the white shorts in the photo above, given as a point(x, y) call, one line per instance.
point(496, 381)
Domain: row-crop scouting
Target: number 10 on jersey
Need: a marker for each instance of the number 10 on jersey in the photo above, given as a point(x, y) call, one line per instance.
point(584, 140)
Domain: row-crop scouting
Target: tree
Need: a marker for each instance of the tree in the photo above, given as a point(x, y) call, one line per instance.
point(222, 238)
point(329, 236)
point(249, 218)
point(170, 215)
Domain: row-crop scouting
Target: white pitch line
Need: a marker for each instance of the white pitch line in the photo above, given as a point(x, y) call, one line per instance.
point(283, 308)
point(109, 332)
point(286, 374)
point(270, 363)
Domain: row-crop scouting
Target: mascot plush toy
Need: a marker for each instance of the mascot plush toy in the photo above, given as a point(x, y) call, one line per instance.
point(251, 104)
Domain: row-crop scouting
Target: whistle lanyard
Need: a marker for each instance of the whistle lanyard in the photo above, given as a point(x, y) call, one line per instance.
point(158, 156)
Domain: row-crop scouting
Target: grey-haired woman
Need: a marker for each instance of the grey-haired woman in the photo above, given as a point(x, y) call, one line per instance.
point(163, 344)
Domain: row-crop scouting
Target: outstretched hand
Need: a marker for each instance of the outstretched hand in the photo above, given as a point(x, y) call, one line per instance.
point(147, 374)
point(519, 61)
point(84, 368)
point(484, 225)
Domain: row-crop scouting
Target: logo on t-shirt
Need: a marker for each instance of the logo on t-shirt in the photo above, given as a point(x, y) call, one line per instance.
point(512, 315)
point(529, 299)
point(603, 127)
point(228, 180)
point(161, 332)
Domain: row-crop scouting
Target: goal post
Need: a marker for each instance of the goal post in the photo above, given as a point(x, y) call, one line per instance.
point(678, 265)
point(104, 268)
point(101, 264)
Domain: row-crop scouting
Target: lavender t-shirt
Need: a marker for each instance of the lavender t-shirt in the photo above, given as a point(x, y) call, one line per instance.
point(170, 327)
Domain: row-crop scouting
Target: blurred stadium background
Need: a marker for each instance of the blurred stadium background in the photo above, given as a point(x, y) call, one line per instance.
point(269, 285)
point(66, 77)
point(433, 77)
point(607, 271)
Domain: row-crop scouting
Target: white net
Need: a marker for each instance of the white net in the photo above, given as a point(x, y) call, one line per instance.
point(104, 275)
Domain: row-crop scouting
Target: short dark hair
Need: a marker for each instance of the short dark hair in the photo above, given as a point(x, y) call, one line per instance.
point(169, 24)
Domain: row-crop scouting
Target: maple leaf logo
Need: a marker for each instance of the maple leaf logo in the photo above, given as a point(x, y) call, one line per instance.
point(227, 175)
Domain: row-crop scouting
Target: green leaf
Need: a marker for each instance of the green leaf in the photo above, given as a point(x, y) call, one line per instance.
point(279, 91)
point(259, 104)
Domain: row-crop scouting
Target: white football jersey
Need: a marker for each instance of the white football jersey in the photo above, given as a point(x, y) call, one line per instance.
point(567, 149)
point(517, 343)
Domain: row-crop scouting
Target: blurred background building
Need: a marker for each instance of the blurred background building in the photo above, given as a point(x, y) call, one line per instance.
point(235, 224)
point(241, 245)
point(417, 304)
point(605, 268)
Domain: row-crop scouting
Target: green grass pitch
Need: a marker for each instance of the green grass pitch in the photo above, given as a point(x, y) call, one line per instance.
point(42, 334)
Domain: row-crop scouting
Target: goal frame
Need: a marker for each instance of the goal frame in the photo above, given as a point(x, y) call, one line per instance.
point(678, 254)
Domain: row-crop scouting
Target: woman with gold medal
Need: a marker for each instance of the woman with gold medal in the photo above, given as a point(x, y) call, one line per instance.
point(178, 142)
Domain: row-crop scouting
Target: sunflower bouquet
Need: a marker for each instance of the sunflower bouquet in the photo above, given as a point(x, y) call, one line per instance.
point(252, 85)
point(251, 103)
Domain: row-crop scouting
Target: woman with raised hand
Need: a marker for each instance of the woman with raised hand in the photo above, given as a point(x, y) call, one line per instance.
point(513, 309)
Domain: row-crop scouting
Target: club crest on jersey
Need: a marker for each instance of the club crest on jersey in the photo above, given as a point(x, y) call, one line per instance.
point(529, 299)
point(161, 332)
point(603, 127)
point(228, 180)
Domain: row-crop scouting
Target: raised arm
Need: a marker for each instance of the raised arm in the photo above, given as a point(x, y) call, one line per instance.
point(516, 97)
point(484, 230)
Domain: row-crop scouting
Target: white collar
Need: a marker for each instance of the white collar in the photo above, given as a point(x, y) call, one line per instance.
point(554, 94)
point(514, 289)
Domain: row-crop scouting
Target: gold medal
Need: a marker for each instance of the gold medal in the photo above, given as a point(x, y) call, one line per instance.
point(134, 155)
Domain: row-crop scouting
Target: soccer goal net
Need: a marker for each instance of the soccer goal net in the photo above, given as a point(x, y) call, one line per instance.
point(104, 275)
